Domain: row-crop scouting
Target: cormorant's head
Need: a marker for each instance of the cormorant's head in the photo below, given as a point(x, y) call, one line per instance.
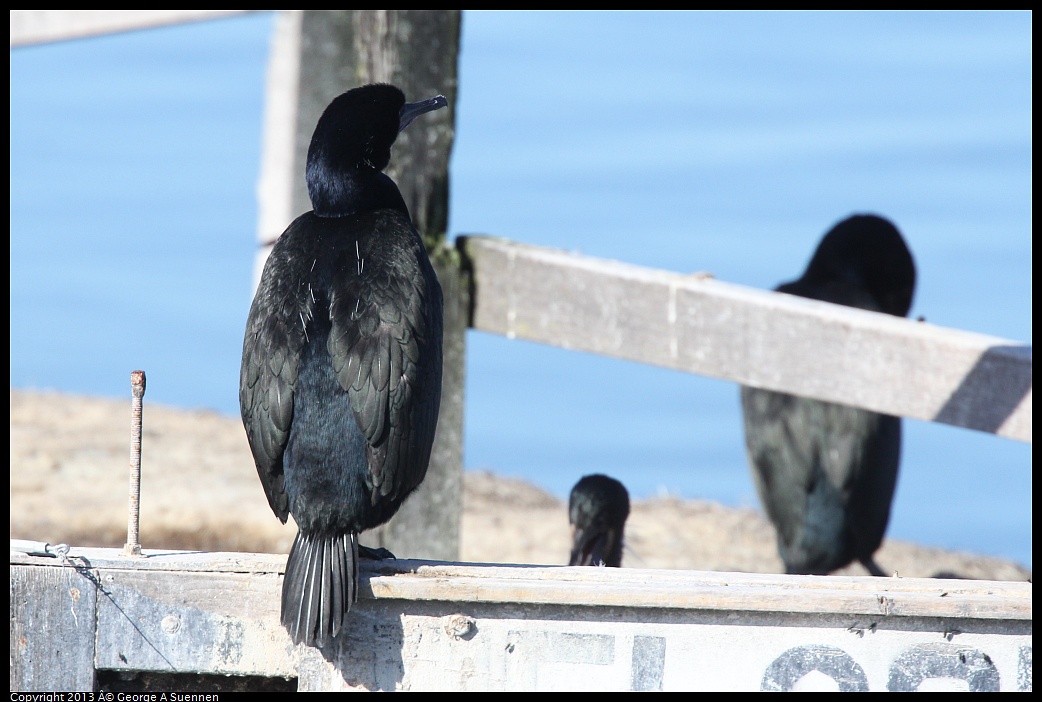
point(868, 252)
point(597, 509)
point(352, 145)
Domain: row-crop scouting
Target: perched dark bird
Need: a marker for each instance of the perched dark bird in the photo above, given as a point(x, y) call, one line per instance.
point(341, 365)
point(826, 472)
point(597, 510)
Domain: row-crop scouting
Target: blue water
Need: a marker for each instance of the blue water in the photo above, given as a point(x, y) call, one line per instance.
point(725, 142)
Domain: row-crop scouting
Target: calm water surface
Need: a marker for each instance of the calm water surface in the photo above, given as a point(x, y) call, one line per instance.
point(686, 141)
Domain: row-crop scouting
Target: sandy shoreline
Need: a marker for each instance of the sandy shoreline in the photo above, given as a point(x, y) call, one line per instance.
point(69, 457)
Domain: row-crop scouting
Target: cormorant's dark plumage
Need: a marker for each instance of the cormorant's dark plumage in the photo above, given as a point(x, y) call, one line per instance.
point(597, 510)
point(826, 472)
point(341, 363)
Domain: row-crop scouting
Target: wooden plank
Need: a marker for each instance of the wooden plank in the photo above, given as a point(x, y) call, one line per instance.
point(173, 621)
point(433, 646)
point(39, 26)
point(704, 591)
point(760, 338)
point(52, 629)
point(438, 626)
point(629, 587)
point(155, 559)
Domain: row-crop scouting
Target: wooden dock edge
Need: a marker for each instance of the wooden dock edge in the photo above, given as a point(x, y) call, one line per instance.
point(424, 625)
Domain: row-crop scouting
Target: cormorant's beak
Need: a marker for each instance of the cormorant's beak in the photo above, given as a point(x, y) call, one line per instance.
point(412, 110)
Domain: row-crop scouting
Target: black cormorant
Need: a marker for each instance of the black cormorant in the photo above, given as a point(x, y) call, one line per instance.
point(341, 363)
point(597, 510)
point(826, 472)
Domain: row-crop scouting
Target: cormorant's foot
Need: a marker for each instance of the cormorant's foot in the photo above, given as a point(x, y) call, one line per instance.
point(375, 554)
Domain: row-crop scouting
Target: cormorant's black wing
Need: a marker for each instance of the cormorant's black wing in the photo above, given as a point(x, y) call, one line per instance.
point(782, 454)
point(386, 314)
point(825, 472)
point(275, 335)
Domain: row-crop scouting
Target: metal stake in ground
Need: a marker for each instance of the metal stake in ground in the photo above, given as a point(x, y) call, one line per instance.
point(137, 388)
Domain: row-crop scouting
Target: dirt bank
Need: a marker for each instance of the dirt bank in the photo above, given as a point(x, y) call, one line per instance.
point(69, 457)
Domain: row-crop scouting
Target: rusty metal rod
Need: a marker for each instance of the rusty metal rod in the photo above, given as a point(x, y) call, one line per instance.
point(137, 388)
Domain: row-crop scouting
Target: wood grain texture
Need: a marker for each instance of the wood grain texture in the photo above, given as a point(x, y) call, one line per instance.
point(697, 324)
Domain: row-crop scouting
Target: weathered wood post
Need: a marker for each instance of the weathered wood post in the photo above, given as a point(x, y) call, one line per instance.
point(316, 55)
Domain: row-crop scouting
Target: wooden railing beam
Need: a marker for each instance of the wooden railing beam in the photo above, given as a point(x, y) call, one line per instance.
point(697, 324)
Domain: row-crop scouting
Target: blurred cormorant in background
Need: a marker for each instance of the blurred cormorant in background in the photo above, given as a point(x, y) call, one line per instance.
point(826, 472)
point(341, 364)
point(597, 510)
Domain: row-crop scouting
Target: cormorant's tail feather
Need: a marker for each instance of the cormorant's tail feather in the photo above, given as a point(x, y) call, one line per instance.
point(320, 586)
point(597, 546)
